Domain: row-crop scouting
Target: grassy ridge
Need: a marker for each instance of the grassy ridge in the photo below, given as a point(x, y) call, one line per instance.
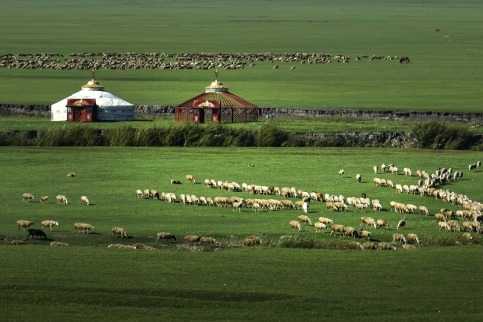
point(445, 73)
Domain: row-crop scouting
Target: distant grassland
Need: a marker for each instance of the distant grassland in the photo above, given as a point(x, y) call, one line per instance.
point(445, 73)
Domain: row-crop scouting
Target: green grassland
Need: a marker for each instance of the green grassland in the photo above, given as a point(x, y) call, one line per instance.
point(88, 280)
point(441, 38)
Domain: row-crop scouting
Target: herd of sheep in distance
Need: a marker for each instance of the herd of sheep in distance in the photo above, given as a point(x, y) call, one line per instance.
point(171, 61)
point(466, 220)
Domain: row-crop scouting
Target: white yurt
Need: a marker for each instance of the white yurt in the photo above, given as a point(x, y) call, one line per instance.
point(92, 103)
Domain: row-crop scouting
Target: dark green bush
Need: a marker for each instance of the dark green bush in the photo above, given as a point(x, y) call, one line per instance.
point(442, 135)
point(71, 135)
point(270, 135)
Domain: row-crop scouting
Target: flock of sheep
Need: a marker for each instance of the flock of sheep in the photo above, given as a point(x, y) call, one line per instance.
point(155, 60)
point(429, 185)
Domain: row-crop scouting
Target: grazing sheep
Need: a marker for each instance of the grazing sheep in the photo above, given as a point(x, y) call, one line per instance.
point(385, 246)
point(24, 224)
point(119, 232)
point(71, 174)
point(49, 224)
point(84, 200)
point(237, 205)
point(207, 240)
point(401, 223)
point(252, 241)
point(399, 238)
point(471, 225)
point(192, 238)
point(147, 193)
point(326, 220)
point(412, 238)
point(83, 227)
point(36, 233)
point(319, 226)
point(295, 225)
point(44, 199)
point(165, 236)
point(358, 178)
point(408, 247)
point(444, 225)
point(467, 236)
point(369, 221)
point(350, 232)
point(454, 225)
point(174, 181)
point(337, 228)
point(58, 244)
point(369, 245)
point(423, 210)
point(382, 223)
point(407, 172)
point(341, 172)
point(365, 234)
point(27, 197)
point(190, 178)
point(61, 199)
point(17, 242)
point(305, 219)
point(439, 217)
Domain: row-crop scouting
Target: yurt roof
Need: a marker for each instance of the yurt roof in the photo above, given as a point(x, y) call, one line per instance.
point(216, 91)
point(94, 90)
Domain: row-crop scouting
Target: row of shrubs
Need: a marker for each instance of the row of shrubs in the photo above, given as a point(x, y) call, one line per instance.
point(428, 135)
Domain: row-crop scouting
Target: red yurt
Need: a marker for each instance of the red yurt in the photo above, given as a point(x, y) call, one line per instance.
point(216, 105)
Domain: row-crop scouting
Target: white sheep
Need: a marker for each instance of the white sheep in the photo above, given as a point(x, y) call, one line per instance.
point(375, 169)
point(24, 224)
point(192, 238)
point(341, 172)
point(423, 210)
point(27, 197)
point(295, 225)
point(190, 178)
point(44, 199)
point(358, 178)
point(49, 224)
point(305, 219)
point(467, 236)
point(61, 199)
point(84, 200)
point(326, 220)
point(365, 234)
point(118, 232)
point(17, 242)
point(382, 223)
point(444, 225)
point(70, 174)
point(399, 238)
point(165, 236)
point(412, 238)
point(139, 193)
point(337, 228)
point(208, 240)
point(408, 247)
point(58, 244)
point(252, 241)
point(83, 227)
point(319, 226)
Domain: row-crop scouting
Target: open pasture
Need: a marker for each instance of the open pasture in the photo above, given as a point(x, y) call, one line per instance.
point(439, 37)
point(87, 279)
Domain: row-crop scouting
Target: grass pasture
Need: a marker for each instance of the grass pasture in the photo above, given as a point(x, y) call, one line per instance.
point(88, 280)
point(440, 37)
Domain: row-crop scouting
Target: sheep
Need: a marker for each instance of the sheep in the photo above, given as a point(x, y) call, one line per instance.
point(61, 199)
point(369, 245)
point(341, 172)
point(375, 169)
point(192, 238)
point(471, 225)
point(365, 234)
point(165, 236)
point(305, 219)
point(412, 238)
point(295, 225)
point(118, 232)
point(70, 174)
point(401, 223)
point(336, 228)
point(44, 199)
point(83, 227)
point(369, 221)
point(147, 193)
point(381, 223)
point(174, 181)
point(398, 238)
point(252, 241)
point(319, 226)
point(154, 194)
point(326, 220)
point(207, 240)
point(190, 178)
point(411, 208)
point(49, 224)
point(423, 210)
point(16, 242)
point(24, 224)
point(237, 205)
point(142, 246)
point(444, 225)
point(408, 247)
point(439, 217)
point(350, 232)
point(385, 246)
point(358, 178)
point(58, 244)
point(407, 172)
point(27, 197)
point(84, 200)
point(454, 225)
point(376, 205)
point(467, 236)
point(36, 233)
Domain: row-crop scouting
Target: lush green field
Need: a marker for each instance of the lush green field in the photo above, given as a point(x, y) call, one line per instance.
point(88, 280)
point(441, 38)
